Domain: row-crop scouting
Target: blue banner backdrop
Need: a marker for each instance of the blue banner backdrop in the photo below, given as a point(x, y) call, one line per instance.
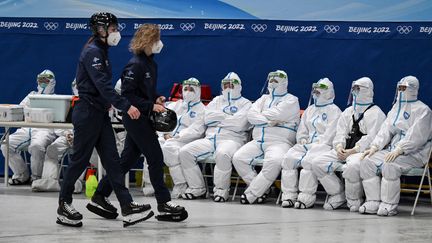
point(209, 49)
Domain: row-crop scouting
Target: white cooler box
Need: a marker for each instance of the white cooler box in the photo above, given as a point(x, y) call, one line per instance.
point(11, 112)
point(43, 115)
point(60, 104)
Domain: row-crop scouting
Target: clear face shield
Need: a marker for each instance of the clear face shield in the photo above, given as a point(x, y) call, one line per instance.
point(189, 89)
point(228, 88)
point(44, 80)
point(229, 83)
point(355, 90)
point(317, 90)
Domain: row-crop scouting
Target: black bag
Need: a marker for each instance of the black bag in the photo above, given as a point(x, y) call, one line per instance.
point(355, 134)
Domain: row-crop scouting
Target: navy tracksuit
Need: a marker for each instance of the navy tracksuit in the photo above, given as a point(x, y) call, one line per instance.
point(139, 87)
point(92, 125)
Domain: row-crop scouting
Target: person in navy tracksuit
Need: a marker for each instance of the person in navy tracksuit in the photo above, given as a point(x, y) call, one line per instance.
point(92, 127)
point(139, 83)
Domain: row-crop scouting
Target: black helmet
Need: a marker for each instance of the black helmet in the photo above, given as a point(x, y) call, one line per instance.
point(103, 19)
point(164, 121)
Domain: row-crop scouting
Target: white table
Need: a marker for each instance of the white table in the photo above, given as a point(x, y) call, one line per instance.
point(9, 125)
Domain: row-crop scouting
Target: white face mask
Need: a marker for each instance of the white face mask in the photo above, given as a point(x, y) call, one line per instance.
point(272, 85)
point(188, 96)
point(113, 38)
point(157, 47)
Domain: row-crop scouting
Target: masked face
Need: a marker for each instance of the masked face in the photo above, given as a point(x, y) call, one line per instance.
point(273, 84)
point(157, 47)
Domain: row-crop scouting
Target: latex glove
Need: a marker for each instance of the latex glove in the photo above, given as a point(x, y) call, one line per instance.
point(369, 152)
point(390, 157)
point(273, 123)
point(351, 151)
point(167, 136)
point(340, 152)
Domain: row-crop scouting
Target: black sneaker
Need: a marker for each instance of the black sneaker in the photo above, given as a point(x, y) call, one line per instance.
point(134, 213)
point(101, 206)
point(170, 208)
point(68, 215)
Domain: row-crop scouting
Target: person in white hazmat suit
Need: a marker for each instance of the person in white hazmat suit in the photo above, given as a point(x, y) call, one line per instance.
point(54, 153)
point(34, 139)
point(403, 142)
point(356, 128)
point(225, 126)
point(314, 137)
point(275, 117)
point(189, 110)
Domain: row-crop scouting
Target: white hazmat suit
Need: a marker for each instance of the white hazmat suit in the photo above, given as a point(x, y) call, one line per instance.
point(35, 140)
point(189, 110)
point(54, 153)
point(275, 117)
point(324, 166)
point(403, 142)
point(225, 125)
point(314, 137)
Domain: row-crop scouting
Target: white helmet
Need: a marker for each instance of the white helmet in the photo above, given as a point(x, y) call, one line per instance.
point(46, 82)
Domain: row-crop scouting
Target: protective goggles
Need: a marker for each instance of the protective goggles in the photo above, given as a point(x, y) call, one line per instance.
point(320, 86)
point(273, 75)
point(230, 81)
point(191, 82)
point(44, 78)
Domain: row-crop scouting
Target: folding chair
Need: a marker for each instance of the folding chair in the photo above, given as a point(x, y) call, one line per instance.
point(419, 172)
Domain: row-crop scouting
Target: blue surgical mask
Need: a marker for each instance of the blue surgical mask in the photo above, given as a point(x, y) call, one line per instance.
point(43, 85)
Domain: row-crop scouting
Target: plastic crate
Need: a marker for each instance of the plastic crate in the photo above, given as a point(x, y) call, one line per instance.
point(60, 104)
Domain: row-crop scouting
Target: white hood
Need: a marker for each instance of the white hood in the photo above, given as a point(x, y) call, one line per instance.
point(50, 88)
point(281, 87)
point(232, 94)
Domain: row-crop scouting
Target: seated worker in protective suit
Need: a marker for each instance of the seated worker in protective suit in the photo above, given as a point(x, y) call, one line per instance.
point(314, 136)
point(402, 143)
point(275, 117)
point(356, 128)
point(34, 139)
point(189, 110)
point(225, 126)
point(54, 153)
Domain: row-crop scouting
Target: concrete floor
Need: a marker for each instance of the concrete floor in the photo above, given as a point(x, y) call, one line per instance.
point(30, 217)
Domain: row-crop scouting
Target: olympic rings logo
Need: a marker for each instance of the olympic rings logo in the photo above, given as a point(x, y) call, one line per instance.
point(187, 26)
point(403, 30)
point(259, 27)
point(331, 28)
point(121, 26)
point(51, 25)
